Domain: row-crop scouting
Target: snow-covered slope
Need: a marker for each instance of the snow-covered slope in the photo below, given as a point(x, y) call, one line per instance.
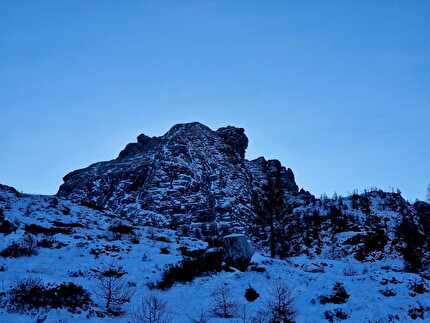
point(197, 181)
point(146, 228)
point(88, 246)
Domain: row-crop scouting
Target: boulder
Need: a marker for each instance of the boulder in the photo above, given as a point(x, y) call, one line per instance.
point(238, 251)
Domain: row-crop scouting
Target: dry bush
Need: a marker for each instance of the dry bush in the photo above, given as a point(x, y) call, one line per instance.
point(27, 246)
point(112, 288)
point(349, 270)
point(203, 317)
point(29, 294)
point(152, 310)
point(280, 305)
point(222, 303)
point(339, 295)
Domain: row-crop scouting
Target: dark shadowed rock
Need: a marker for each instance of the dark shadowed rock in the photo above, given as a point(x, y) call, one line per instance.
point(238, 251)
point(234, 138)
point(9, 189)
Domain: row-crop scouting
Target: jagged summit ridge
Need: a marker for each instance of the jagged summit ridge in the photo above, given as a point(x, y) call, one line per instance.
point(191, 176)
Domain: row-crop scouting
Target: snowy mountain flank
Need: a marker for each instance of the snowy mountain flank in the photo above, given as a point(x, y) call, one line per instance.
point(183, 228)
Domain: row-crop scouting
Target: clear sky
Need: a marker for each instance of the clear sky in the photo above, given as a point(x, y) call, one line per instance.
point(337, 90)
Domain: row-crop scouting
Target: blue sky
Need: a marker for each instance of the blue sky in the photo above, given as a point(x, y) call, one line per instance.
point(337, 90)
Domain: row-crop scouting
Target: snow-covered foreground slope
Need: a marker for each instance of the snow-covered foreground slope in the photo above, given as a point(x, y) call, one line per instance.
point(80, 245)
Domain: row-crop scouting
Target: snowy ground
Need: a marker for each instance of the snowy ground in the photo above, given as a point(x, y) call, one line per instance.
point(307, 278)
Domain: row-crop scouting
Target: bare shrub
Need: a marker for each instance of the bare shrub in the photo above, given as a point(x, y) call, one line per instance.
point(189, 268)
point(202, 318)
point(49, 231)
point(388, 292)
point(244, 315)
point(339, 295)
point(6, 227)
point(417, 287)
point(349, 270)
point(337, 315)
point(260, 317)
point(112, 288)
point(24, 247)
point(152, 310)
point(120, 229)
point(29, 294)
point(280, 306)
point(222, 303)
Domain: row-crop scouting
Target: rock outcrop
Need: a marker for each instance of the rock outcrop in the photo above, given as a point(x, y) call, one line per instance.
point(197, 181)
point(191, 178)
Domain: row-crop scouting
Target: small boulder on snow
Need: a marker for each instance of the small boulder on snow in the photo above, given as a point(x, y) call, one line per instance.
point(238, 251)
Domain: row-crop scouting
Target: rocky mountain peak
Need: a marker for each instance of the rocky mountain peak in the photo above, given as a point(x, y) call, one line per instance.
point(196, 180)
point(235, 138)
point(188, 129)
point(191, 176)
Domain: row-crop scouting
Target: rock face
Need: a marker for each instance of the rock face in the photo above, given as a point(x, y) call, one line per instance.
point(192, 177)
point(238, 251)
point(5, 188)
point(197, 181)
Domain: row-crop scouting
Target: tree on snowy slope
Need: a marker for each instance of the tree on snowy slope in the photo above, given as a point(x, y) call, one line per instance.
point(280, 306)
point(428, 193)
point(153, 310)
point(223, 304)
point(271, 213)
point(413, 245)
point(112, 288)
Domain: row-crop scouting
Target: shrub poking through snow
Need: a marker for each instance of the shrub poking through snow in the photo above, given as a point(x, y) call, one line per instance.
point(164, 251)
point(388, 292)
point(418, 287)
point(417, 311)
point(50, 244)
point(24, 247)
point(203, 317)
point(112, 288)
point(6, 227)
point(29, 294)
point(92, 205)
point(251, 294)
point(38, 229)
point(349, 270)
point(190, 268)
point(152, 310)
point(222, 303)
point(162, 239)
point(373, 241)
point(339, 296)
point(191, 253)
point(121, 229)
point(280, 305)
point(337, 314)
point(257, 268)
